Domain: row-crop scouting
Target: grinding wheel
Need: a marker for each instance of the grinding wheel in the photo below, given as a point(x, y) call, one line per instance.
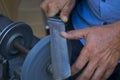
point(37, 62)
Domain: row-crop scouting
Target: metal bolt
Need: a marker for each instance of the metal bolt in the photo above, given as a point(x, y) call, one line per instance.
point(50, 69)
point(20, 47)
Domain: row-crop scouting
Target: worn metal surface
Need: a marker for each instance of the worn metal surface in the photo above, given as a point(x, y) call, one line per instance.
point(59, 50)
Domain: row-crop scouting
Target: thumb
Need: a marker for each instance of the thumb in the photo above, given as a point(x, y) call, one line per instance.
point(75, 34)
point(65, 12)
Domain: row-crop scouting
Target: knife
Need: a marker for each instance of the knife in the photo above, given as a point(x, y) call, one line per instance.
point(59, 49)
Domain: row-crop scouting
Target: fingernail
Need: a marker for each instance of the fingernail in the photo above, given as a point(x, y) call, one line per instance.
point(64, 18)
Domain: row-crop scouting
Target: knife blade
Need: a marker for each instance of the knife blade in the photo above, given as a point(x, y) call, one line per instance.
point(59, 50)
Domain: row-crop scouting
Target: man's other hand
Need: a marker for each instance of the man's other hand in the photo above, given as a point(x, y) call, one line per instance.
point(53, 7)
point(101, 51)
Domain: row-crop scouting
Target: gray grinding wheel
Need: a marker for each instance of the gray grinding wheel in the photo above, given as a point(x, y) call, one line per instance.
point(37, 62)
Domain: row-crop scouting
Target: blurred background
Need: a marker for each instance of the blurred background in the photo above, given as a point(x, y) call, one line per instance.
point(27, 11)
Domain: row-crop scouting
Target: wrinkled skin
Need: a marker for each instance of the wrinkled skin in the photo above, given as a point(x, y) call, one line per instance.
point(102, 47)
point(101, 51)
point(52, 7)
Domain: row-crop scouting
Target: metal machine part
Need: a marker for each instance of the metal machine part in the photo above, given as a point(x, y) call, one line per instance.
point(46, 61)
point(59, 50)
point(37, 65)
point(11, 32)
point(4, 68)
point(13, 35)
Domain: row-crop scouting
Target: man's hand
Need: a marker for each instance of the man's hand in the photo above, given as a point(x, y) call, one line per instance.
point(52, 7)
point(101, 51)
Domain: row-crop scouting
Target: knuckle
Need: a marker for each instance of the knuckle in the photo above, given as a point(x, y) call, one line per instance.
point(50, 5)
point(77, 66)
point(94, 78)
point(111, 67)
point(85, 77)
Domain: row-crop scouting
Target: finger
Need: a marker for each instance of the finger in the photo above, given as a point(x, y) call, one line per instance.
point(65, 12)
point(81, 61)
point(112, 65)
point(50, 8)
point(107, 74)
point(76, 67)
point(44, 7)
point(103, 79)
point(53, 9)
point(88, 72)
point(103, 65)
point(75, 34)
point(99, 73)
